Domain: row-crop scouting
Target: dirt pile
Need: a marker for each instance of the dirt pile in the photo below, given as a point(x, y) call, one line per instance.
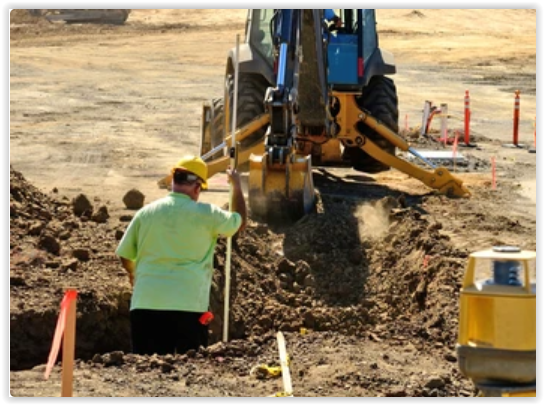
point(349, 268)
point(25, 27)
point(56, 244)
point(330, 272)
point(22, 16)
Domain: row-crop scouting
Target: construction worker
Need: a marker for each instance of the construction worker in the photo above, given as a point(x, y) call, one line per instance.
point(334, 24)
point(168, 251)
point(332, 18)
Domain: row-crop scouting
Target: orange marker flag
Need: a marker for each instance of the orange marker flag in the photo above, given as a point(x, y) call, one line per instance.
point(59, 331)
point(426, 261)
point(454, 151)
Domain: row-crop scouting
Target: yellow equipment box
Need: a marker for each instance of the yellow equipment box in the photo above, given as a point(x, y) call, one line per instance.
point(497, 325)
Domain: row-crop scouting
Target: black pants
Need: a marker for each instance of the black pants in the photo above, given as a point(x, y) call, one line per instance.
point(165, 332)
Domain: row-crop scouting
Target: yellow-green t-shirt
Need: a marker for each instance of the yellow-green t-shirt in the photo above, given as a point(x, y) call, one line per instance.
point(172, 241)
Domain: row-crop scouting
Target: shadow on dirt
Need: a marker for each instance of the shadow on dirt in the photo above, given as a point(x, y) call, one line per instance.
point(315, 273)
point(102, 326)
point(337, 241)
point(311, 273)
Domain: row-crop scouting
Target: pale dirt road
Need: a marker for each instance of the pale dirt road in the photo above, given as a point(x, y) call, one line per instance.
point(106, 109)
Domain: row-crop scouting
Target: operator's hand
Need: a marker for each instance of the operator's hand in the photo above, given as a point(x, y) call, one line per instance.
point(337, 22)
point(234, 177)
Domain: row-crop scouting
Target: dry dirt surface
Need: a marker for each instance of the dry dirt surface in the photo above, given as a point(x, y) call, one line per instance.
point(97, 111)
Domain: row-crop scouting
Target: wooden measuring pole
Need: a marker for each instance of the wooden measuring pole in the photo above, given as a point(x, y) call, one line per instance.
point(68, 348)
point(228, 258)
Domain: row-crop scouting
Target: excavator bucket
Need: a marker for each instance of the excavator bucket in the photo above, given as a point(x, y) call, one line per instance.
point(282, 192)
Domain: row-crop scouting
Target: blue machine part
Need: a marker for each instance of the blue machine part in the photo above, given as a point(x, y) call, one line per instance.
point(342, 54)
point(506, 273)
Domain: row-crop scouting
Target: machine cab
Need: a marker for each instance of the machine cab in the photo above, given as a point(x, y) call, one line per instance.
point(351, 46)
point(353, 52)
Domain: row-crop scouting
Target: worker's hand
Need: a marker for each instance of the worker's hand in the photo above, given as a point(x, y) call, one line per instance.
point(234, 177)
point(130, 268)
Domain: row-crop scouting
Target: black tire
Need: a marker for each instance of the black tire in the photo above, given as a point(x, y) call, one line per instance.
point(380, 99)
point(251, 92)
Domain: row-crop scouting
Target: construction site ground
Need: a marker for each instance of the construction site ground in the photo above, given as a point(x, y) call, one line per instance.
point(97, 110)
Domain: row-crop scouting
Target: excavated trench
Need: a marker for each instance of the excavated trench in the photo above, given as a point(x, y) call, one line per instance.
point(355, 267)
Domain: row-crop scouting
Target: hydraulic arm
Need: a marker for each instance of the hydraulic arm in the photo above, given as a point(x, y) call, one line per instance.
point(329, 103)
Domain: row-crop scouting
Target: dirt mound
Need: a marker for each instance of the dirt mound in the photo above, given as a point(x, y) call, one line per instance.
point(52, 249)
point(374, 283)
point(416, 13)
point(22, 16)
point(41, 32)
point(349, 268)
point(332, 271)
point(134, 199)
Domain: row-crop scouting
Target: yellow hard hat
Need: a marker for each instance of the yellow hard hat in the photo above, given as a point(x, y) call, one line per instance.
point(195, 165)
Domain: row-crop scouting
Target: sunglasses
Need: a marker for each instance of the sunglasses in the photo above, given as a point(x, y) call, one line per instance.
point(191, 178)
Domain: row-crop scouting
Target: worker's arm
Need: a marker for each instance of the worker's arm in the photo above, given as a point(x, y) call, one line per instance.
point(128, 248)
point(129, 266)
point(238, 201)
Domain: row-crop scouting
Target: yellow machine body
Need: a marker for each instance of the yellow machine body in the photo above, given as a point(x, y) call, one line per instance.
point(497, 325)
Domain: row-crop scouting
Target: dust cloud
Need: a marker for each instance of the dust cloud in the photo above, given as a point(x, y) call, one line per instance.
point(373, 221)
point(374, 218)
